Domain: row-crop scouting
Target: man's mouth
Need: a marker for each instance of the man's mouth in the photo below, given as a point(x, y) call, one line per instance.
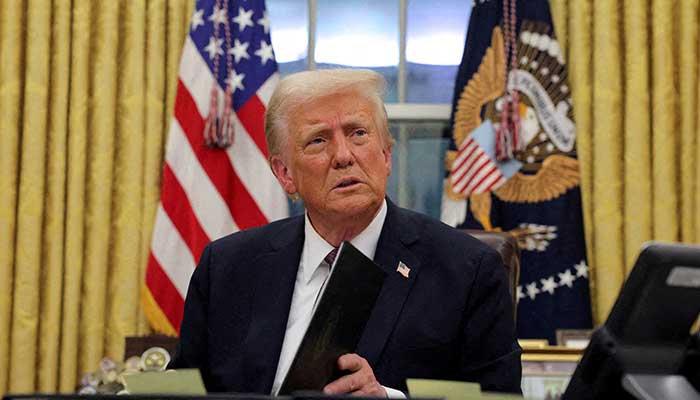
point(347, 183)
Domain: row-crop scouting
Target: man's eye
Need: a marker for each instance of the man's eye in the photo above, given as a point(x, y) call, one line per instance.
point(315, 142)
point(360, 132)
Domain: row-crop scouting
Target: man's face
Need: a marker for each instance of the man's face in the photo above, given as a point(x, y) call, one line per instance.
point(336, 158)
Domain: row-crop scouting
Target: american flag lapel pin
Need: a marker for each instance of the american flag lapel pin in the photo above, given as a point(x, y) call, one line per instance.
point(403, 269)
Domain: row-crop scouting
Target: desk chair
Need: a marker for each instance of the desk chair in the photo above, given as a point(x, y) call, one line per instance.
point(507, 246)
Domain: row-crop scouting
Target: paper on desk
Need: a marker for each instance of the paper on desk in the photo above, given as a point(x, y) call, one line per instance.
point(180, 381)
point(450, 390)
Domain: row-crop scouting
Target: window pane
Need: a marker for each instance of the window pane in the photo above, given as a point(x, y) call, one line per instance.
point(434, 45)
point(418, 166)
point(362, 34)
point(289, 31)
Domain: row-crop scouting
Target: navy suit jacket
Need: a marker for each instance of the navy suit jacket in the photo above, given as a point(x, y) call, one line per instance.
point(451, 319)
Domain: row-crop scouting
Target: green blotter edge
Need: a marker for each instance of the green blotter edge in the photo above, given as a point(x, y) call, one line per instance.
point(181, 381)
point(452, 390)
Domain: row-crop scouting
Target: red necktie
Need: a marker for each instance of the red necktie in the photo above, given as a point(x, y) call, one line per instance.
point(328, 259)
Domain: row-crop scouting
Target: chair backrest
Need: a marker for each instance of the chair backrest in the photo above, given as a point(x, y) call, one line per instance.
point(507, 246)
point(136, 345)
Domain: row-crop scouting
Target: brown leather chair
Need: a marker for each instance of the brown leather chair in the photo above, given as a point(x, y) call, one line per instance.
point(136, 345)
point(507, 246)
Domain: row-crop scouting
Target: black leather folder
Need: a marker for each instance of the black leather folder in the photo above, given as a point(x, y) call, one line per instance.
point(338, 321)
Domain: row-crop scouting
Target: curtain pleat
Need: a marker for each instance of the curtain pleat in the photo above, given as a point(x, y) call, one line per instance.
point(579, 64)
point(100, 171)
point(124, 279)
point(561, 21)
point(54, 216)
point(688, 75)
point(153, 132)
point(696, 151)
point(74, 259)
point(11, 91)
point(664, 129)
point(607, 147)
point(30, 201)
point(179, 12)
point(696, 169)
point(637, 130)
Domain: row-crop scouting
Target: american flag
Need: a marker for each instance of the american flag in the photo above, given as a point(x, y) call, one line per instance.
point(474, 172)
point(210, 192)
point(475, 169)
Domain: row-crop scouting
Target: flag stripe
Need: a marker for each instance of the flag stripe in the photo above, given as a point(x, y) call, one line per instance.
point(249, 116)
point(465, 151)
point(171, 252)
point(473, 158)
point(206, 202)
point(154, 312)
point(245, 211)
point(256, 175)
point(476, 166)
point(465, 155)
point(178, 208)
point(267, 88)
point(491, 175)
point(498, 182)
point(479, 173)
point(168, 298)
point(196, 77)
point(466, 178)
point(492, 182)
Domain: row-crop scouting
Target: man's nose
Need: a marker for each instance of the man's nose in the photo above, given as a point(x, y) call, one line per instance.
point(342, 156)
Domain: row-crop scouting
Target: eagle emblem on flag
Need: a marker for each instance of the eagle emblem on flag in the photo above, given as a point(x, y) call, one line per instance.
point(546, 166)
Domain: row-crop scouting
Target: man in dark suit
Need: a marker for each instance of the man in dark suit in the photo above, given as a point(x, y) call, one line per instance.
point(447, 315)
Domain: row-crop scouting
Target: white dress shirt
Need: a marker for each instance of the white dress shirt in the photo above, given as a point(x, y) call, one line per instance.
point(311, 276)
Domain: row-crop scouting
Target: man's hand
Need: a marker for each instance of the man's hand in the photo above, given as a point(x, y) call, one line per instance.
point(360, 382)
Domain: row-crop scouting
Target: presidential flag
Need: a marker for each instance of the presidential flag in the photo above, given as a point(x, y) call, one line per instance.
point(216, 179)
point(512, 163)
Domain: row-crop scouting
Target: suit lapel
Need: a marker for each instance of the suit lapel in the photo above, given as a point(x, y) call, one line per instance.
point(275, 276)
point(397, 234)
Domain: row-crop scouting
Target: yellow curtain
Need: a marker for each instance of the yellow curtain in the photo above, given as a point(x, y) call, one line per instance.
point(633, 67)
point(86, 93)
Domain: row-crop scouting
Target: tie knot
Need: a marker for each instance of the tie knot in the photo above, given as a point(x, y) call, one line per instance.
point(330, 257)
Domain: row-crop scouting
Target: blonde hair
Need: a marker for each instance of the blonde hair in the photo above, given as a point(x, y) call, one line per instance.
point(303, 87)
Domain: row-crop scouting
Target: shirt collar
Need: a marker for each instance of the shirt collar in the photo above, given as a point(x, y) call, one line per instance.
point(316, 248)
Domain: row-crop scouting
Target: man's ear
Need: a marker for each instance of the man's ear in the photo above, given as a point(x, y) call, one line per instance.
point(283, 174)
point(387, 159)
